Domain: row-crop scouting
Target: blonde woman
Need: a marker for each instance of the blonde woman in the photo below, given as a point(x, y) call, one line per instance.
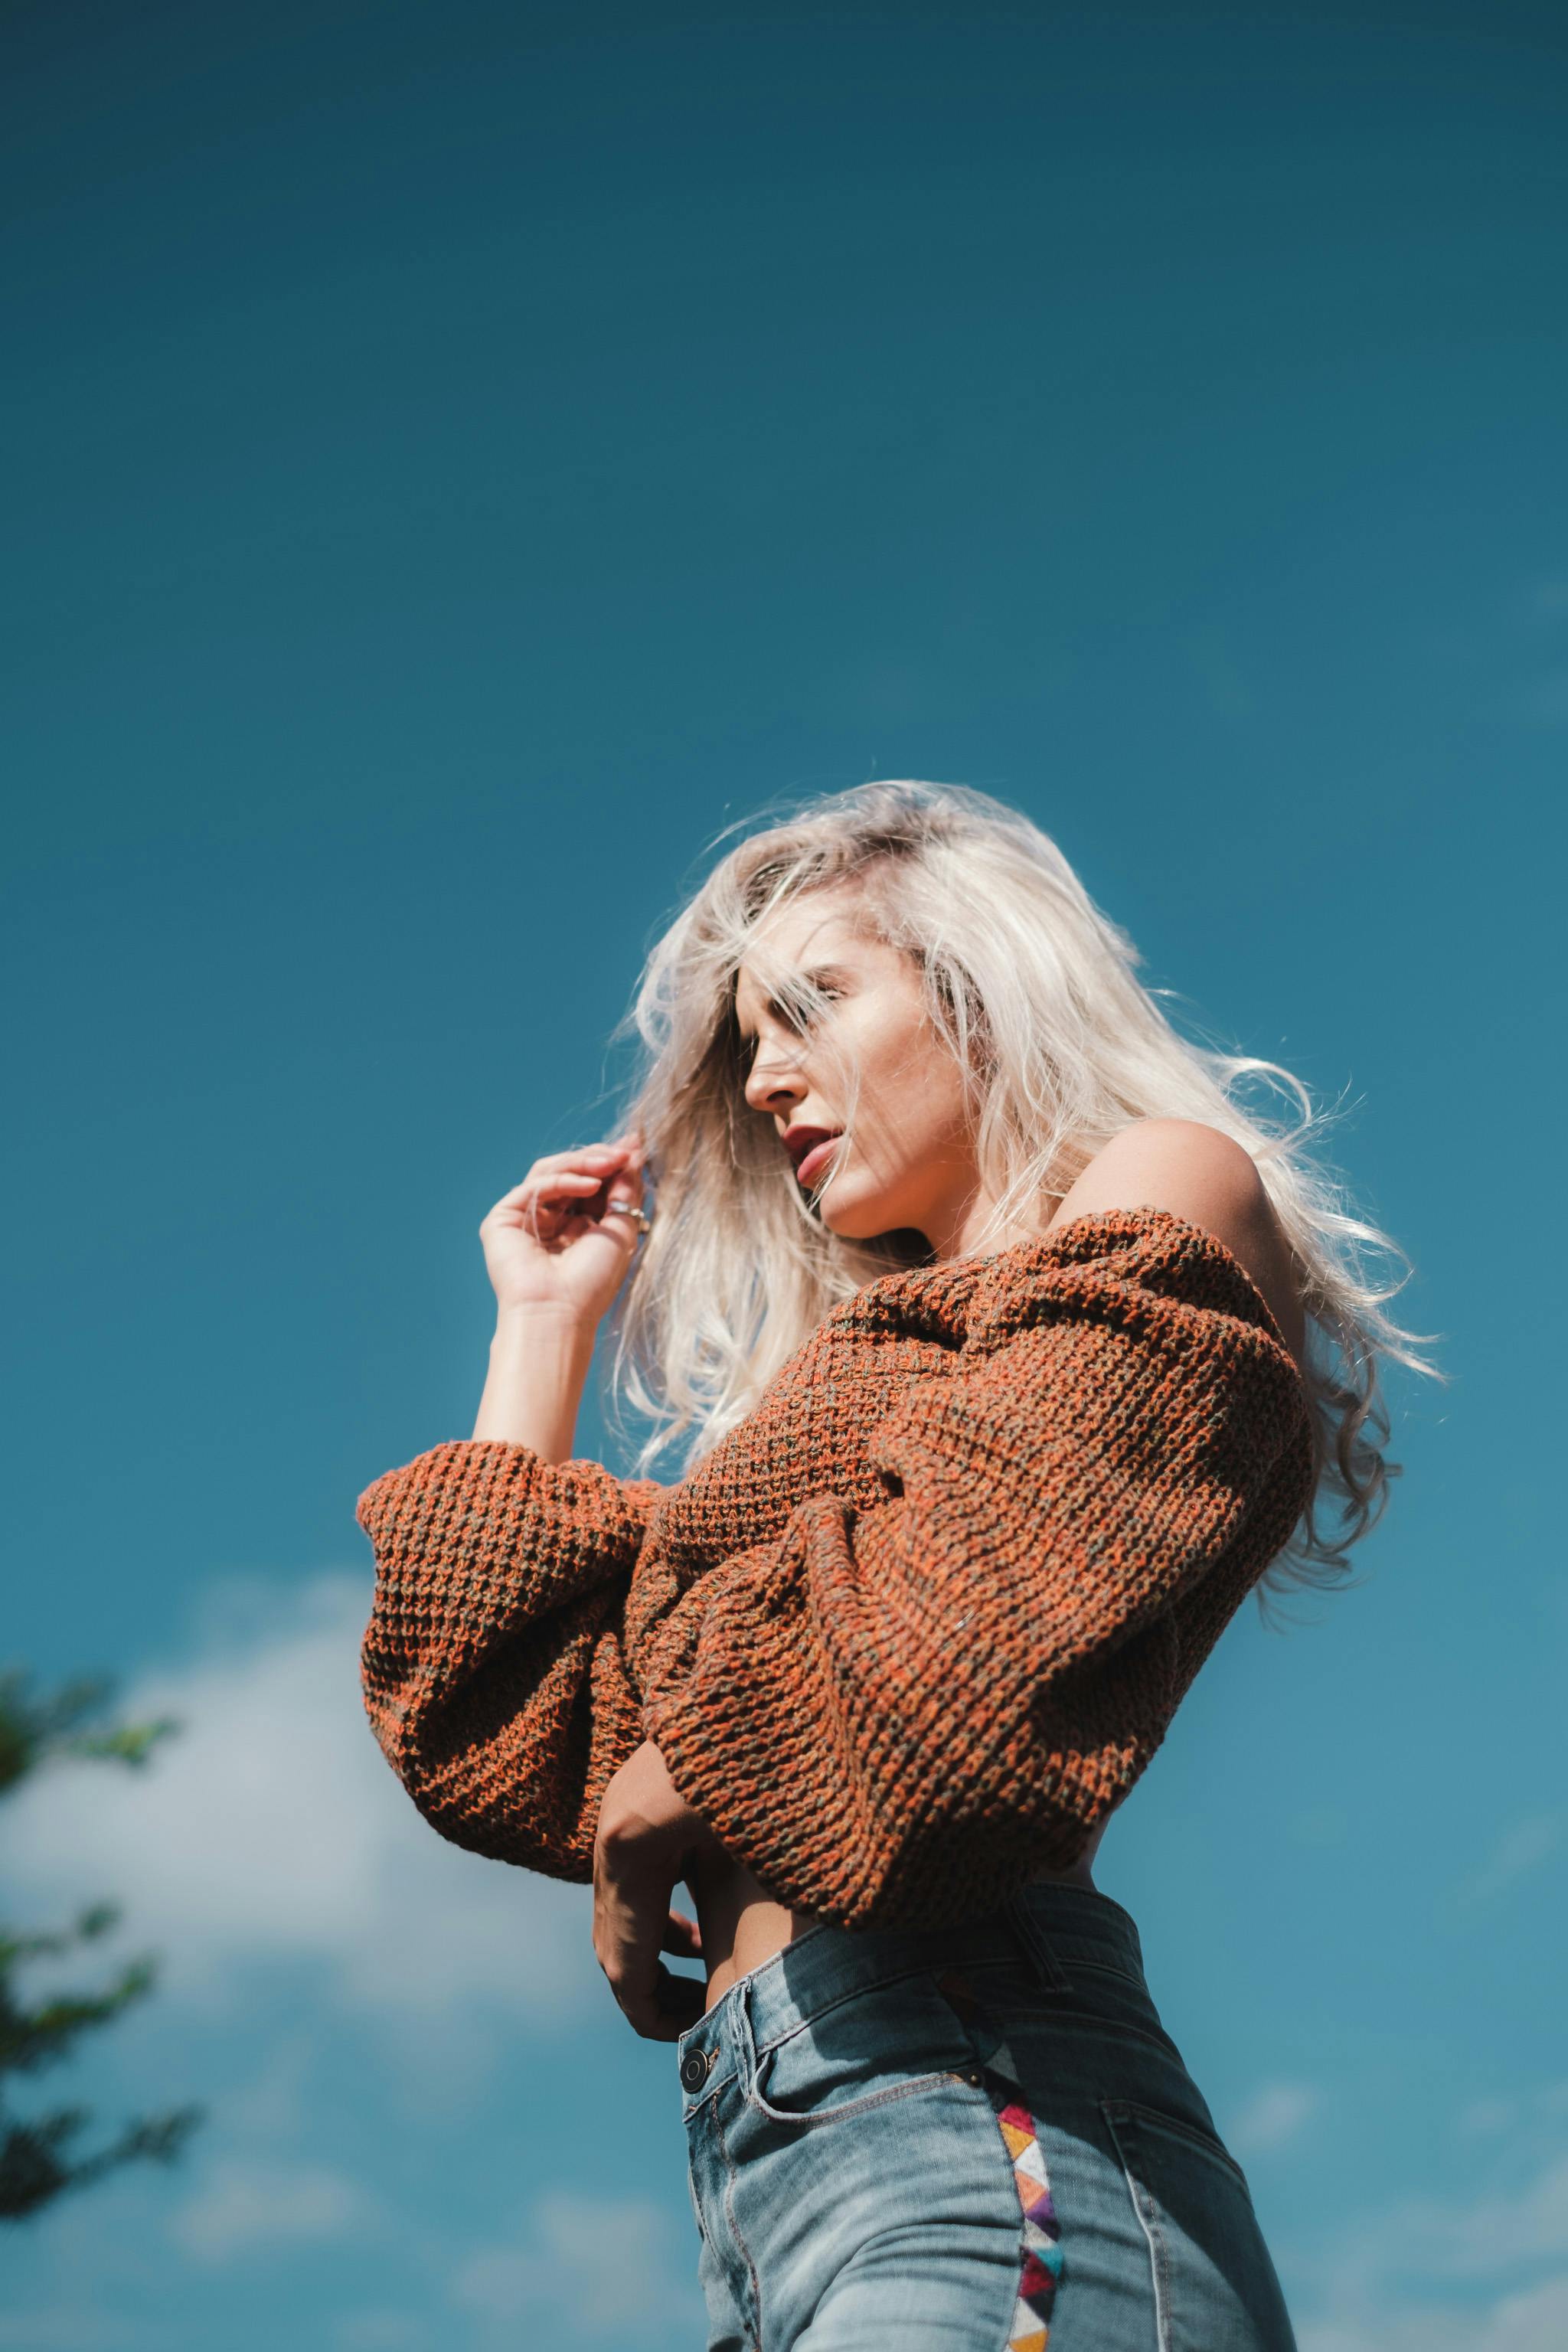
point(1010, 1353)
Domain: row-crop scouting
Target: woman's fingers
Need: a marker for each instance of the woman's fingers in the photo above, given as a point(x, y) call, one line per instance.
point(643, 1849)
point(682, 2001)
point(633, 1923)
point(683, 1938)
point(592, 1163)
point(565, 1187)
point(554, 1241)
point(563, 1191)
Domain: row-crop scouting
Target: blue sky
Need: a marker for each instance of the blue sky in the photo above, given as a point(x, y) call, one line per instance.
point(459, 460)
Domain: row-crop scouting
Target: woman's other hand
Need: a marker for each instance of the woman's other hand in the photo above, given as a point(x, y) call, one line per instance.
point(557, 1243)
point(647, 1838)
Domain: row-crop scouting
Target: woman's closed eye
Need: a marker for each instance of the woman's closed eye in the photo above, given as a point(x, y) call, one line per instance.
point(807, 1012)
point(797, 1017)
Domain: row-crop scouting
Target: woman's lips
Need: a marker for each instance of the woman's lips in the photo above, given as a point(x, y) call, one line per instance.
point(814, 1158)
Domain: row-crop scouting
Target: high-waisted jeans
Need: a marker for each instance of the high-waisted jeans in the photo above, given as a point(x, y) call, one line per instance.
point(963, 2140)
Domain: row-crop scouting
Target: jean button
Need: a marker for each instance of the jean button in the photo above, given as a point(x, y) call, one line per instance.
point(696, 2066)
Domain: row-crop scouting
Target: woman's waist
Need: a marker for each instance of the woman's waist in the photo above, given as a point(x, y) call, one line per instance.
point(743, 1926)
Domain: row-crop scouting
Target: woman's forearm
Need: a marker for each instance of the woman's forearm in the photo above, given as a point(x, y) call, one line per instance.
point(538, 1369)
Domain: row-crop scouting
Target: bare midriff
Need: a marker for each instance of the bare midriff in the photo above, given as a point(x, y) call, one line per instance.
point(742, 1926)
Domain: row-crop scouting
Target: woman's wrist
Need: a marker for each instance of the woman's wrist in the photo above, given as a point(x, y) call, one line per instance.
point(511, 1321)
point(539, 1364)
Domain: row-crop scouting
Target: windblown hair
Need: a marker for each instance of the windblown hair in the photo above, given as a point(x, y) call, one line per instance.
point(1033, 991)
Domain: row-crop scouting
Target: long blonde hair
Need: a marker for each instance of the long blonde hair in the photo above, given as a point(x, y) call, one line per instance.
point(1034, 990)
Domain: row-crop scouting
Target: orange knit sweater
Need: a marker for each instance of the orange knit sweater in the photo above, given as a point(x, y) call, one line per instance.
point(908, 1632)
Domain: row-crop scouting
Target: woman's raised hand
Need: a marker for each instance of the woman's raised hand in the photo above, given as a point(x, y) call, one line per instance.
point(557, 1241)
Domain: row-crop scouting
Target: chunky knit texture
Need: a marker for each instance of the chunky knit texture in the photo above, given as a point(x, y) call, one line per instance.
point(912, 1630)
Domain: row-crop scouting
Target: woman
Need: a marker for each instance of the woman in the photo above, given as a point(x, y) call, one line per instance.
point(988, 1307)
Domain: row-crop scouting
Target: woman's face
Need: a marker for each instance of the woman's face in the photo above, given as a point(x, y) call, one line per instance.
point(910, 1162)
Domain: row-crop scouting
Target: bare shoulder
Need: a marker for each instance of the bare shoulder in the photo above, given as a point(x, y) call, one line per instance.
point(1207, 1177)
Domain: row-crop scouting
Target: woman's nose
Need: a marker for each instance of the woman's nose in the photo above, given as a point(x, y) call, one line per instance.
point(769, 1089)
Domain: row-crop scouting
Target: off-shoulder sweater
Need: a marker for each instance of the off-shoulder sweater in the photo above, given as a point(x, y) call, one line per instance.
point(910, 1629)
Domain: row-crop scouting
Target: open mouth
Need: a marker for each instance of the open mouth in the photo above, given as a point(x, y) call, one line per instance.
point(816, 1159)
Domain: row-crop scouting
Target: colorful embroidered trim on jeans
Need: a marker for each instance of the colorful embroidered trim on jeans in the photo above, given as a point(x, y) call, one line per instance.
point(1041, 2254)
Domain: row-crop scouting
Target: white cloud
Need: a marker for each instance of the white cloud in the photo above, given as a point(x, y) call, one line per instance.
point(271, 1828)
point(599, 2265)
point(1272, 2117)
point(1533, 2117)
point(1521, 1849)
point(1391, 2331)
point(81, 2327)
point(1501, 2231)
point(1380, 2290)
point(1535, 2319)
point(1541, 701)
point(1487, 2117)
point(246, 2203)
point(1222, 678)
point(277, 2101)
point(382, 2331)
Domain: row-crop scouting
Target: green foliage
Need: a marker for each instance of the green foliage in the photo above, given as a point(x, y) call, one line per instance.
point(38, 2154)
point(32, 1730)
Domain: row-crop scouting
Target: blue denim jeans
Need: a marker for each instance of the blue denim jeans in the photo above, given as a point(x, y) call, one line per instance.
point(969, 2138)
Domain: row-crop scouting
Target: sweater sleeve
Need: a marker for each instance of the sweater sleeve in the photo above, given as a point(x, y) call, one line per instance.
point(492, 1668)
point(899, 1713)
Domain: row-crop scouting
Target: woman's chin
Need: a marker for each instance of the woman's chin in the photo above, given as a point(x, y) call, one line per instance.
point(844, 1213)
point(862, 1218)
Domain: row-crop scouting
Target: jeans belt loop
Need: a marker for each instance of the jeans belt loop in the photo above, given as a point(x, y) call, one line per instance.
point(1037, 1947)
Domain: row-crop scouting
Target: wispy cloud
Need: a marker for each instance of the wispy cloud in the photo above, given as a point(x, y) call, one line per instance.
point(1502, 2230)
point(271, 1829)
point(1484, 2267)
point(380, 2330)
point(246, 2203)
point(1484, 2119)
point(81, 2327)
point(1541, 701)
point(268, 1835)
point(1273, 2117)
point(1222, 681)
point(1535, 2319)
point(599, 2266)
point(1522, 1848)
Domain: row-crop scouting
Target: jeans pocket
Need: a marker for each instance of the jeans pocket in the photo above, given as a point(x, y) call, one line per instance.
point(1132, 2121)
point(1214, 2279)
point(891, 2042)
